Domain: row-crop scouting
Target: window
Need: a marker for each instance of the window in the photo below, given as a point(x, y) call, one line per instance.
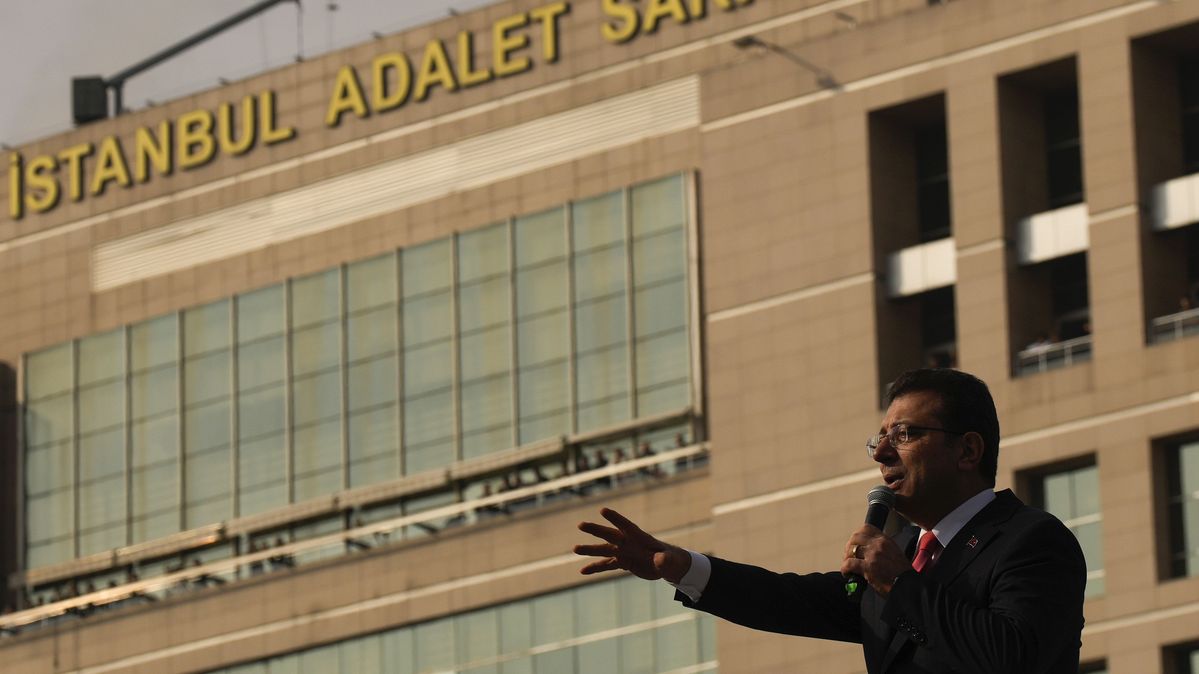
point(1165, 79)
point(909, 174)
point(101, 409)
point(1063, 149)
point(316, 388)
point(260, 407)
point(1057, 332)
point(154, 428)
point(1071, 494)
point(551, 324)
point(1181, 659)
point(912, 222)
point(932, 180)
point(372, 375)
point(564, 632)
point(934, 344)
point(1182, 507)
point(207, 415)
point(938, 333)
point(1040, 140)
point(1188, 80)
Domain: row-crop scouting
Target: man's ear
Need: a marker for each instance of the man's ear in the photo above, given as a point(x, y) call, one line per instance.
point(971, 451)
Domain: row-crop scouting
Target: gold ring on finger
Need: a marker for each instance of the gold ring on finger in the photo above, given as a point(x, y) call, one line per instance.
point(853, 552)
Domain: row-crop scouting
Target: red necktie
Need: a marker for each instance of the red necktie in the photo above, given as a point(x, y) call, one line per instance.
point(925, 554)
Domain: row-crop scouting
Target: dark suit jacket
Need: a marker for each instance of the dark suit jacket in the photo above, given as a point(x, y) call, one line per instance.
point(1005, 596)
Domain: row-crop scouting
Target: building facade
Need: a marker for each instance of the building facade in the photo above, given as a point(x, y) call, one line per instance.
point(318, 371)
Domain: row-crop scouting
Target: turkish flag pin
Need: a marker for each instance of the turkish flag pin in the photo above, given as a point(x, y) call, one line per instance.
point(972, 542)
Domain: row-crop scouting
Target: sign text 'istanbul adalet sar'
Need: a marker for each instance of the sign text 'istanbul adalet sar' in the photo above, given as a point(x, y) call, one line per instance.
point(394, 79)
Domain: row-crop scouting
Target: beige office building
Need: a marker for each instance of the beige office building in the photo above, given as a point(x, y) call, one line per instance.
point(318, 371)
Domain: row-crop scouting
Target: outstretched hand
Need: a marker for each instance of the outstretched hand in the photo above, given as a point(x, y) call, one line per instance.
point(629, 548)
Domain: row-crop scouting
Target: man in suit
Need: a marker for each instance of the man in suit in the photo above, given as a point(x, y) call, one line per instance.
point(980, 583)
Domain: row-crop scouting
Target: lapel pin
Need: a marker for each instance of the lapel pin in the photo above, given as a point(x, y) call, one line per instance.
point(972, 542)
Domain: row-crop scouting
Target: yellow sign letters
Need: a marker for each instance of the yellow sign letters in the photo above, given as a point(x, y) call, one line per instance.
point(194, 138)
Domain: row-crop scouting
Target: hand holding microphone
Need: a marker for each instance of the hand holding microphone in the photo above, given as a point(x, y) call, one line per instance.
point(884, 555)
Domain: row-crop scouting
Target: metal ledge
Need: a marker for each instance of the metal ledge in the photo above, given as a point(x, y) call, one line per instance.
point(232, 568)
point(490, 463)
point(229, 530)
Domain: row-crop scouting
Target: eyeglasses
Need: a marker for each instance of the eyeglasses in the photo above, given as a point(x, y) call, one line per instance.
point(900, 435)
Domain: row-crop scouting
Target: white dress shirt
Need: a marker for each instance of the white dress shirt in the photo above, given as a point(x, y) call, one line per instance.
point(696, 579)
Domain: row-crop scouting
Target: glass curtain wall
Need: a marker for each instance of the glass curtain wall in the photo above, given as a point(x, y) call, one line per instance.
point(555, 323)
point(623, 626)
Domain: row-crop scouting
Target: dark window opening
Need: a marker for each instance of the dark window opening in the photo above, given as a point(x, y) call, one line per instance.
point(1053, 326)
point(1181, 659)
point(1071, 309)
point(937, 330)
point(932, 179)
point(1040, 140)
point(1063, 149)
point(1188, 76)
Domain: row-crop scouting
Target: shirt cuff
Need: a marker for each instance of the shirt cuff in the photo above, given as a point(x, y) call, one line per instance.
point(695, 581)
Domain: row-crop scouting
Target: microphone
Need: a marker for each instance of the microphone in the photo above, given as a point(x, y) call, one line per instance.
point(878, 506)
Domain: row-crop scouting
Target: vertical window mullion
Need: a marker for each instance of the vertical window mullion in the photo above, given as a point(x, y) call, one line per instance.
point(399, 281)
point(695, 327)
point(22, 417)
point(512, 335)
point(180, 468)
point(571, 359)
point(626, 214)
point(455, 351)
point(288, 404)
point(76, 546)
point(235, 416)
point(128, 425)
point(344, 373)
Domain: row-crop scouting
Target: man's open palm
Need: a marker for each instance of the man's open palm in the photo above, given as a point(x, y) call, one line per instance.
point(628, 547)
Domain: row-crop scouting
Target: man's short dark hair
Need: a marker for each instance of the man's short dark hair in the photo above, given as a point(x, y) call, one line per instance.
point(966, 405)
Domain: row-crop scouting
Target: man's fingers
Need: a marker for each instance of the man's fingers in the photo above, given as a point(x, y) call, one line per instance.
point(853, 566)
point(621, 522)
point(600, 531)
point(609, 564)
point(597, 550)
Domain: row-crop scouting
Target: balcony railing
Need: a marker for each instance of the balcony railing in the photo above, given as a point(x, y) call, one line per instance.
point(643, 470)
point(1052, 356)
point(1174, 326)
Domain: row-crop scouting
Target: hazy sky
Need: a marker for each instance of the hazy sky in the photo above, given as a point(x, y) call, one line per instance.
point(44, 43)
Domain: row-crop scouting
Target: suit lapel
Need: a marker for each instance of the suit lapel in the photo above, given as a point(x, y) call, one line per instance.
point(974, 538)
point(963, 549)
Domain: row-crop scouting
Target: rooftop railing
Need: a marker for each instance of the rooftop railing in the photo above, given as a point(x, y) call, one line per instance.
point(1174, 326)
point(1052, 356)
point(641, 470)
